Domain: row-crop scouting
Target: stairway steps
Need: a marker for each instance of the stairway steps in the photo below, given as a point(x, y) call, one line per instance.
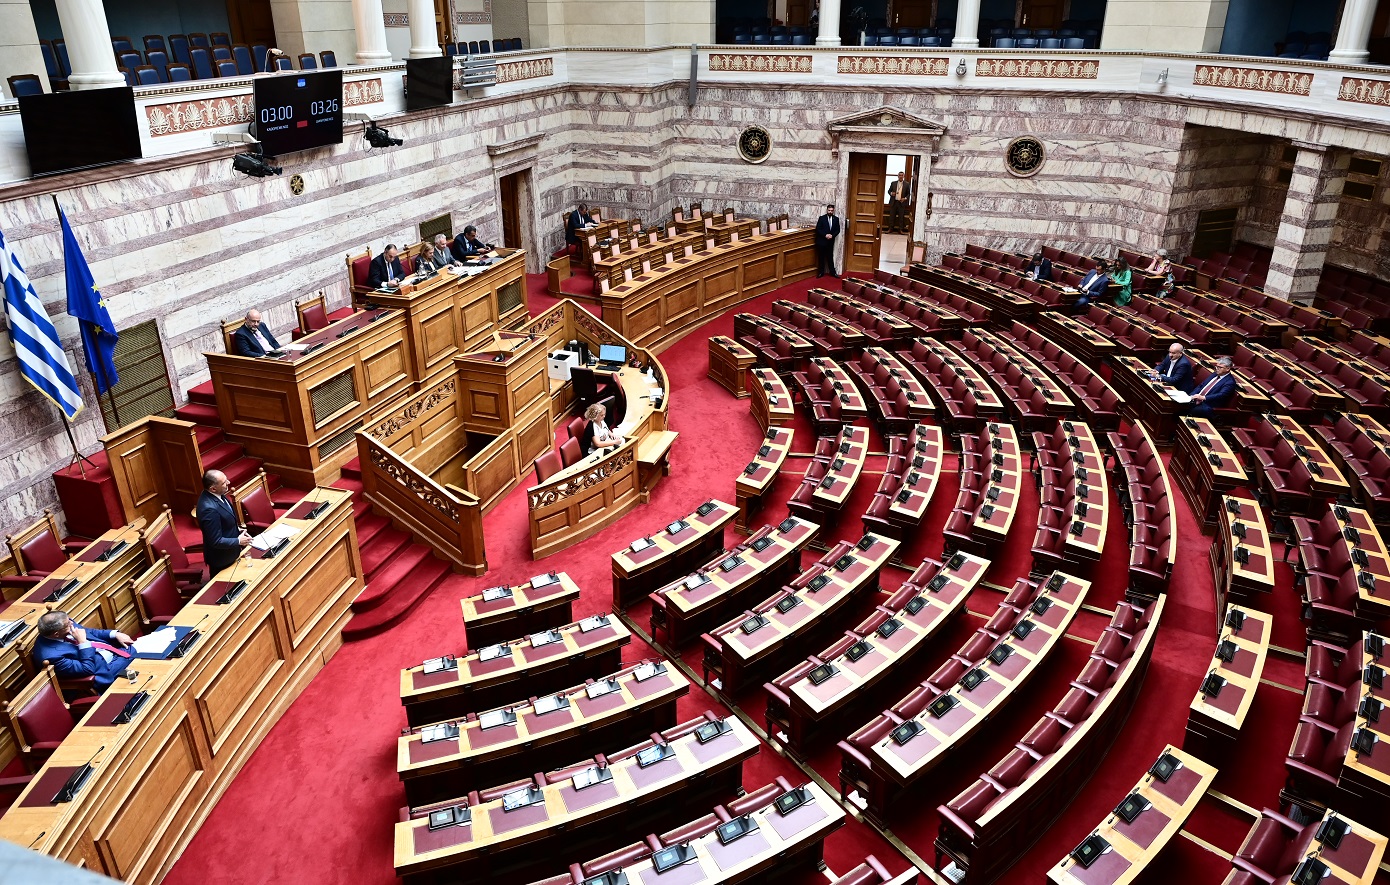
point(396, 575)
point(368, 525)
point(208, 436)
point(382, 549)
point(220, 455)
point(203, 393)
point(352, 469)
point(242, 470)
point(399, 603)
point(199, 413)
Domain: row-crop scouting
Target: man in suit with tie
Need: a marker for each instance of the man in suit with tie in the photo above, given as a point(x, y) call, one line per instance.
point(77, 652)
point(899, 198)
point(827, 229)
point(253, 338)
point(578, 220)
point(1092, 286)
point(1175, 370)
point(223, 537)
point(386, 270)
point(1214, 392)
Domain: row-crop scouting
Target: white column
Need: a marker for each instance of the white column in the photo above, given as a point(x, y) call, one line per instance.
point(967, 24)
point(829, 32)
point(371, 32)
point(1354, 33)
point(424, 42)
point(89, 45)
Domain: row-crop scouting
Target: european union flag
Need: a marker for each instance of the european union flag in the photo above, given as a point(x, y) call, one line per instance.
point(85, 302)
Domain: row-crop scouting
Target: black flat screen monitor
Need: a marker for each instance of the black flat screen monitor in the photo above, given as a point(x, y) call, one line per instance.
point(78, 129)
point(299, 110)
point(429, 82)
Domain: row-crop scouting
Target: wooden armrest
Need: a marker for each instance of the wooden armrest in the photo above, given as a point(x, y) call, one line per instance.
point(957, 821)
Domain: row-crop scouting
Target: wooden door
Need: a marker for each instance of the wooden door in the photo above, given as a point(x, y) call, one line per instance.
point(442, 31)
point(914, 13)
point(511, 210)
point(1040, 14)
point(251, 22)
point(798, 13)
point(864, 214)
point(1215, 231)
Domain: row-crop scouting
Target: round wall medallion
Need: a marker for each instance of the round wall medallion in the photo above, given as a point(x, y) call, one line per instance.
point(754, 144)
point(296, 184)
point(1024, 156)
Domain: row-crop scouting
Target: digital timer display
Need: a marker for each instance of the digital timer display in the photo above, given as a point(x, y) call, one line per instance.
point(299, 110)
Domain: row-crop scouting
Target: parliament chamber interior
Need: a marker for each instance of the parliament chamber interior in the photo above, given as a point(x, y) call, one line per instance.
point(914, 441)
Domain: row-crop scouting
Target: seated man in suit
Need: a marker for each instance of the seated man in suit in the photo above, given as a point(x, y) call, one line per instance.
point(252, 338)
point(578, 220)
point(443, 252)
point(1092, 287)
point(1176, 369)
point(468, 247)
point(386, 270)
point(223, 536)
point(1040, 268)
point(1214, 392)
point(76, 652)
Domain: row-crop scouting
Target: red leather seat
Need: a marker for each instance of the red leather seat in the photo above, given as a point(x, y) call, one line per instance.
point(549, 464)
point(315, 318)
point(258, 508)
point(160, 599)
point(188, 574)
point(1274, 846)
point(575, 429)
point(43, 720)
point(570, 452)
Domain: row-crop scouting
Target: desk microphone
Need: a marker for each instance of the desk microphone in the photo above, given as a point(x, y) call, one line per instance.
point(77, 779)
point(186, 642)
point(37, 838)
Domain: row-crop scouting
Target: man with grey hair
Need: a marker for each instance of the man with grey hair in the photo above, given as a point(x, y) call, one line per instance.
point(443, 255)
point(1213, 393)
point(77, 652)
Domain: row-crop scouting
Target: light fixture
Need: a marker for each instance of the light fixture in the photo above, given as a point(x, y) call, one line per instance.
point(255, 165)
point(961, 69)
point(378, 137)
point(1162, 81)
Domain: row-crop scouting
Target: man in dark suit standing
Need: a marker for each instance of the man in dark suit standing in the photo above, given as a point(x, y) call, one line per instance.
point(1176, 369)
point(77, 652)
point(253, 338)
point(223, 537)
point(1214, 392)
point(827, 229)
point(386, 269)
point(899, 199)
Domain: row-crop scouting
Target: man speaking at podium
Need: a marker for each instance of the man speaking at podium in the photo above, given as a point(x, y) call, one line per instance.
point(223, 537)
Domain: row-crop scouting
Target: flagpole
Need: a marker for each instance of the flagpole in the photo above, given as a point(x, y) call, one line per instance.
point(110, 393)
point(77, 456)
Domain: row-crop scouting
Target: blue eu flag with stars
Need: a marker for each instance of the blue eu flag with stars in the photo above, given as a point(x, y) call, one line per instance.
point(85, 302)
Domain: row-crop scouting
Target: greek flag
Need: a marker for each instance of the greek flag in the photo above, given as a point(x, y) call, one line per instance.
point(42, 361)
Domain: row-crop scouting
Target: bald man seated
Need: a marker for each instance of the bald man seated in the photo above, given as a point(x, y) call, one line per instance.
point(253, 338)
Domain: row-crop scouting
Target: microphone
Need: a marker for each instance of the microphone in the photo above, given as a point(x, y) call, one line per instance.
point(133, 705)
point(186, 642)
point(270, 56)
point(37, 838)
point(77, 779)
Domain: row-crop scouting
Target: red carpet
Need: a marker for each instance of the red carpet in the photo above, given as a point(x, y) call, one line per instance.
point(318, 799)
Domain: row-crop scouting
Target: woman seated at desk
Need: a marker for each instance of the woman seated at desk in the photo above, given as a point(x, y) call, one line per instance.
point(596, 433)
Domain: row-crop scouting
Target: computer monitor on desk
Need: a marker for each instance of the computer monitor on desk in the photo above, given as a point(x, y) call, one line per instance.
point(612, 356)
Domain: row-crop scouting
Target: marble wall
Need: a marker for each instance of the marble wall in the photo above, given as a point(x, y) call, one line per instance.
point(189, 243)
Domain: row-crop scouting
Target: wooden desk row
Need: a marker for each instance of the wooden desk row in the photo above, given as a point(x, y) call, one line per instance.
point(760, 473)
point(852, 448)
point(1366, 773)
point(1218, 710)
point(1129, 839)
point(155, 779)
point(498, 614)
point(771, 403)
point(453, 686)
point(1146, 400)
point(802, 710)
point(658, 558)
point(1205, 467)
point(729, 363)
point(783, 624)
point(661, 305)
point(447, 759)
point(685, 608)
point(923, 463)
point(1371, 605)
point(1240, 576)
point(536, 824)
point(992, 497)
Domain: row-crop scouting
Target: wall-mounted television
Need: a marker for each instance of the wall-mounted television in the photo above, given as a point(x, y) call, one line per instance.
point(298, 110)
point(79, 128)
point(429, 82)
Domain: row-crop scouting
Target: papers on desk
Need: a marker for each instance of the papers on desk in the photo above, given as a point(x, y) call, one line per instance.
point(1178, 396)
point(273, 535)
point(157, 642)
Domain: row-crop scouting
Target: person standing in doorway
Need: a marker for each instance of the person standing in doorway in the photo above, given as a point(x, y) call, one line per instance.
point(899, 199)
point(827, 229)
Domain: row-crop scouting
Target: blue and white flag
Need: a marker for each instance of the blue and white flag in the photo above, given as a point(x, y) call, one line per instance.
point(42, 361)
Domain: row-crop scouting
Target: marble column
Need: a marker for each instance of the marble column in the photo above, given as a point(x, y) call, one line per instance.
point(829, 33)
point(1305, 229)
point(1354, 33)
point(967, 25)
point(89, 45)
point(424, 42)
point(371, 32)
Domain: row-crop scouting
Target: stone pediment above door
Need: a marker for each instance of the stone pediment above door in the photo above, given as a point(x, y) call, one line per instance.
point(885, 126)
